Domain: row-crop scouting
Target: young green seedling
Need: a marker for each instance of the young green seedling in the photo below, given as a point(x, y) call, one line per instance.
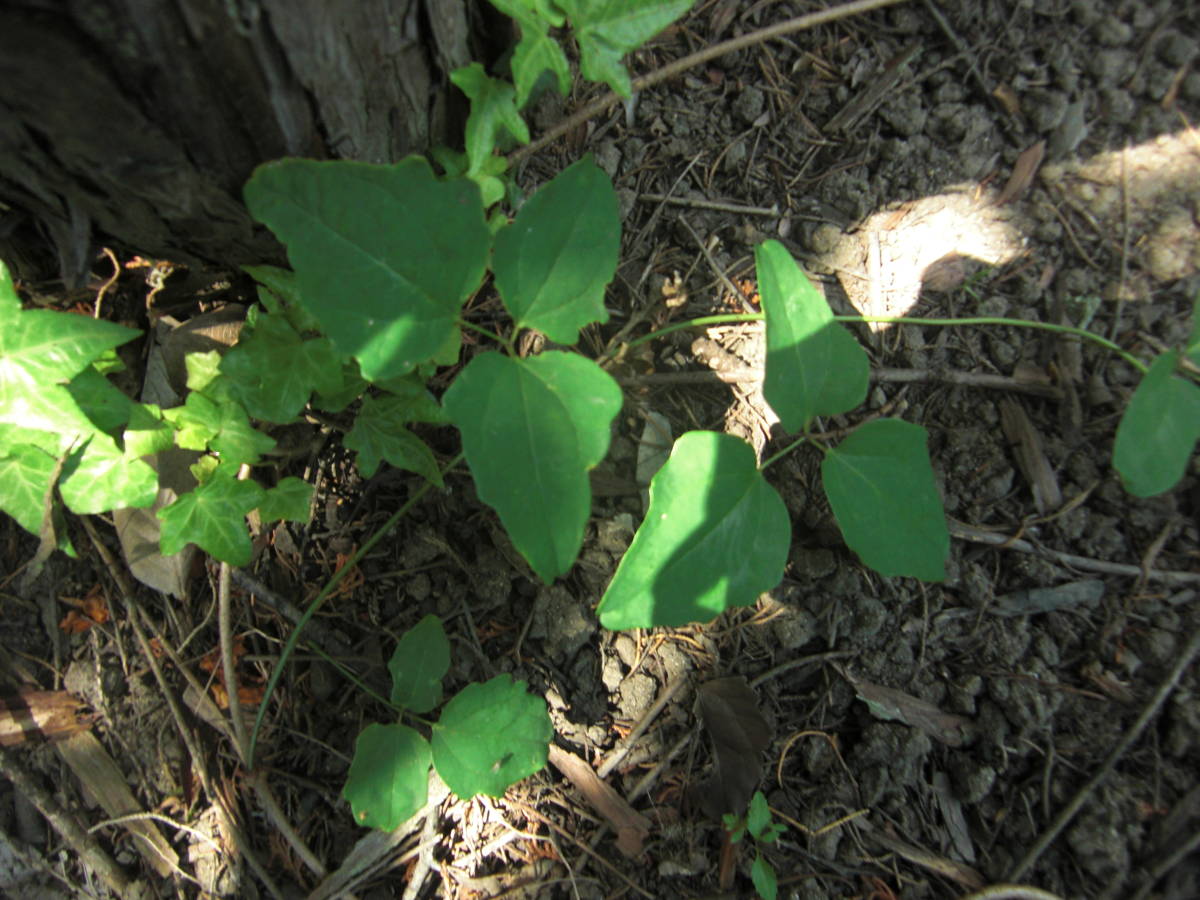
point(757, 823)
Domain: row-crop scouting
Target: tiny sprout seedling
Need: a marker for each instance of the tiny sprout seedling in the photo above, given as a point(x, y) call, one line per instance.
point(757, 823)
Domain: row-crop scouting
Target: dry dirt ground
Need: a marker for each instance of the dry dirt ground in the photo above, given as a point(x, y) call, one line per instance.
point(927, 738)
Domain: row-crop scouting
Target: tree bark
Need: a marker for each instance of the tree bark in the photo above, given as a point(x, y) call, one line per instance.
point(140, 120)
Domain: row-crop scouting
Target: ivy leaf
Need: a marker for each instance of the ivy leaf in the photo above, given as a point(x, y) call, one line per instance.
point(537, 51)
point(213, 517)
point(880, 484)
point(147, 431)
point(379, 433)
point(43, 347)
point(421, 660)
point(222, 424)
point(291, 499)
point(1160, 427)
point(273, 372)
point(384, 256)
point(25, 473)
point(609, 29)
point(814, 366)
point(531, 429)
point(388, 780)
point(98, 477)
point(105, 406)
point(493, 111)
point(716, 535)
point(555, 259)
point(491, 735)
point(279, 292)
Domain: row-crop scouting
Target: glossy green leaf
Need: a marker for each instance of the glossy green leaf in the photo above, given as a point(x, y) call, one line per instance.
point(25, 473)
point(880, 484)
point(380, 433)
point(421, 660)
point(279, 293)
point(213, 517)
point(490, 736)
point(147, 431)
point(537, 51)
point(1159, 430)
point(291, 499)
point(384, 256)
point(763, 876)
point(42, 347)
point(106, 407)
point(273, 372)
point(10, 302)
point(220, 424)
point(758, 816)
point(388, 780)
point(716, 535)
point(493, 111)
point(531, 430)
point(814, 366)
point(555, 259)
point(99, 477)
point(609, 29)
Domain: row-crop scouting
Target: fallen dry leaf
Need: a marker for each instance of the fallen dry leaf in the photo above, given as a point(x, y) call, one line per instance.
point(739, 734)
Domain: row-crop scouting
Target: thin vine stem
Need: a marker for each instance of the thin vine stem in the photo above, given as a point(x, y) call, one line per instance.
point(294, 638)
point(479, 329)
point(774, 458)
point(1083, 333)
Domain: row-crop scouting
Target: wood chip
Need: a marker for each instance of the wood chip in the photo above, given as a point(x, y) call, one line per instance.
point(631, 827)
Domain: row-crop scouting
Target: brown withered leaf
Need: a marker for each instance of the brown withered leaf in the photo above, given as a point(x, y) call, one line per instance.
point(1030, 457)
point(739, 733)
point(1022, 174)
point(890, 704)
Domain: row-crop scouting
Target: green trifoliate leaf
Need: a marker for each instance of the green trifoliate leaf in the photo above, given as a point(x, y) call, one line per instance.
point(716, 535)
point(388, 780)
point(380, 433)
point(421, 659)
point(273, 371)
point(531, 429)
point(608, 29)
point(291, 499)
point(880, 484)
point(10, 303)
point(1158, 431)
point(384, 256)
point(493, 111)
point(763, 876)
point(555, 259)
point(814, 366)
point(213, 517)
point(490, 736)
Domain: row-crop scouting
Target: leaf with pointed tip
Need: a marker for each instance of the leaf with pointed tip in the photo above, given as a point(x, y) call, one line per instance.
point(880, 484)
point(380, 433)
point(384, 256)
point(716, 535)
point(103, 404)
point(43, 347)
point(490, 736)
point(493, 110)
point(763, 876)
point(98, 477)
point(25, 473)
point(291, 499)
point(421, 659)
point(814, 366)
point(388, 780)
point(608, 30)
point(1158, 431)
point(213, 517)
point(536, 52)
point(531, 429)
point(555, 259)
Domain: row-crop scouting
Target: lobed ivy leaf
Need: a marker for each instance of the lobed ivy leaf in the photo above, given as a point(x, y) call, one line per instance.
point(555, 259)
point(220, 424)
point(608, 29)
point(273, 371)
point(98, 477)
point(814, 366)
point(420, 661)
point(380, 433)
point(40, 347)
point(384, 256)
point(213, 517)
point(106, 407)
point(291, 499)
point(388, 780)
point(279, 293)
point(880, 484)
point(147, 431)
point(25, 473)
point(716, 535)
point(537, 51)
point(491, 735)
point(531, 430)
point(493, 110)
point(1158, 430)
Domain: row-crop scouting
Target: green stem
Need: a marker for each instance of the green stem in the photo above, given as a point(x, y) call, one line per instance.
point(354, 560)
point(784, 452)
point(479, 329)
point(695, 323)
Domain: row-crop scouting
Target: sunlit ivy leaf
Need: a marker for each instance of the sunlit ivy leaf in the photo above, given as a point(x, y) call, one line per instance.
point(384, 255)
point(273, 371)
point(421, 659)
point(25, 473)
point(716, 535)
point(10, 302)
point(213, 517)
point(380, 432)
point(203, 423)
point(100, 400)
point(490, 736)
point(880, 484)
point(1159, 429)
point(531, 429)
point(43, 347)
point(147, 431)
point(202, 369)
point(814, 366)
point(388, 780)
point(556, 258)
point(98, 476)
point(608, 30)
point(291, 499)
point(493, 111)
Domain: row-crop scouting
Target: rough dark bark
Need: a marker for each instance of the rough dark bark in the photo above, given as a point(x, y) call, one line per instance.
point(139, 120)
